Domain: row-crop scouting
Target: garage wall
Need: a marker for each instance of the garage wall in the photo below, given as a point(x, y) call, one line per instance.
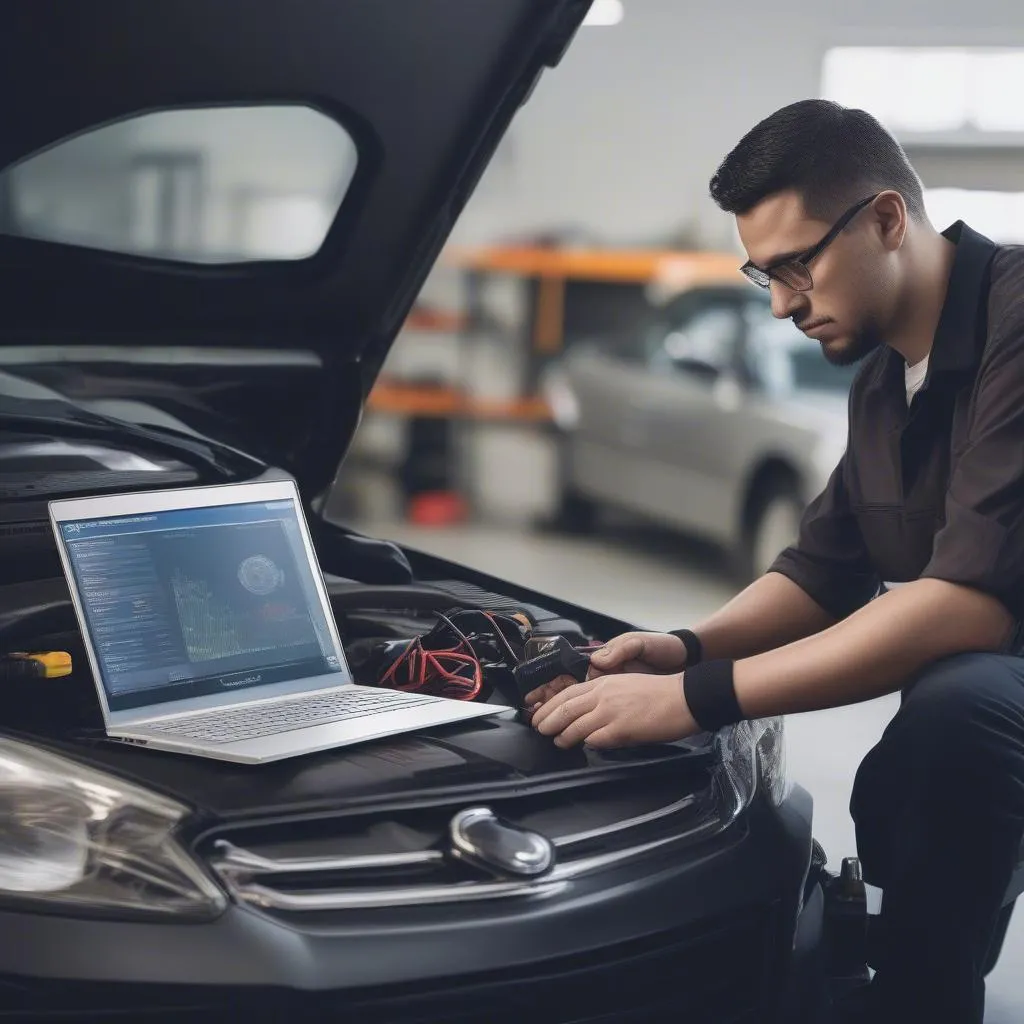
point(624, 135)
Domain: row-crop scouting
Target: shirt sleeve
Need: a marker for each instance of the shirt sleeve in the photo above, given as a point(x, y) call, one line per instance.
point(830, 561)
point(981, 543)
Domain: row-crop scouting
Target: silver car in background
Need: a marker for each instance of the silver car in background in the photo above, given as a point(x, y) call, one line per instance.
point(715, 419)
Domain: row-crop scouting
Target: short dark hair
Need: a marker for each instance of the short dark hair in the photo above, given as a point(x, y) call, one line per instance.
point(831, 156)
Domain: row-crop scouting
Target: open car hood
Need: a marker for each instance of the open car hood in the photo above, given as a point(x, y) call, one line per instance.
point(274, 354)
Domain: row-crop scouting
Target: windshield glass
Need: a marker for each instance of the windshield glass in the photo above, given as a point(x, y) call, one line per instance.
point(215, 185)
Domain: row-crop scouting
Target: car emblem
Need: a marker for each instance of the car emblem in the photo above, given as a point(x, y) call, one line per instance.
point(480, 838)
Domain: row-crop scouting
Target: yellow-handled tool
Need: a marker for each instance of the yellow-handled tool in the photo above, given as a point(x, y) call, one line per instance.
point(34, 665)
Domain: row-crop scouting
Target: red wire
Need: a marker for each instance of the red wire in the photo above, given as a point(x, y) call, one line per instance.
point(442, 668)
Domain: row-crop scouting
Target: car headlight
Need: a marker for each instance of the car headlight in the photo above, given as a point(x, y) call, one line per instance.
point(753, 756)
point(561, 399)
point(75, 838)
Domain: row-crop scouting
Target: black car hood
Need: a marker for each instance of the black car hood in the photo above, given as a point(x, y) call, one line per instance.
point(276, 357)
point(494, 756)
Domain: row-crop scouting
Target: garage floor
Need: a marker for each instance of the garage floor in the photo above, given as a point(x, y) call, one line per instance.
point(659, 582)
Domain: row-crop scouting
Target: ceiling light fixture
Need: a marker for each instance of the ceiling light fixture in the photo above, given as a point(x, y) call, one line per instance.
point(604, 13)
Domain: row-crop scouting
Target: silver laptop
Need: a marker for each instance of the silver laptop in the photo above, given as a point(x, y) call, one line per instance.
point(209, 631)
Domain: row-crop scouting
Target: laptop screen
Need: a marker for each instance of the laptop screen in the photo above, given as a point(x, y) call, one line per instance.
point(193, 602)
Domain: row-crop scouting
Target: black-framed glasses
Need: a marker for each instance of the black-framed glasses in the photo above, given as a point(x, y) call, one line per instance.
point(793, 273)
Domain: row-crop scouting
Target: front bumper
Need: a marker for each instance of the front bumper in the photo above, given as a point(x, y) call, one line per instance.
point(705, 934)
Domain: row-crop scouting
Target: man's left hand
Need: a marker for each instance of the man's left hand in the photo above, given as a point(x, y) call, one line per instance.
point(617, 711)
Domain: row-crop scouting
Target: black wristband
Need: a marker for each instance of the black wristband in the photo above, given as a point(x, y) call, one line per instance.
point(694, 650)
point(710, 695)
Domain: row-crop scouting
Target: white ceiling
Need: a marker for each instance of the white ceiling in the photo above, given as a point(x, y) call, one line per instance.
point(624, 135)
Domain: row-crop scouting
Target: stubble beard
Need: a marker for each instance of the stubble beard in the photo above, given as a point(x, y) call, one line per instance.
point(846, 352)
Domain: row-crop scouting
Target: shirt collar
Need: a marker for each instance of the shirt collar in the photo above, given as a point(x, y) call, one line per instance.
point(960, 335)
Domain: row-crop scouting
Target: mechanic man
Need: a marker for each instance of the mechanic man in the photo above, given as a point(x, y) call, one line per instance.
point(930, 495)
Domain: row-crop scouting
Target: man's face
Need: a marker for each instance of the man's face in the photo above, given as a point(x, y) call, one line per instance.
point(853, 281)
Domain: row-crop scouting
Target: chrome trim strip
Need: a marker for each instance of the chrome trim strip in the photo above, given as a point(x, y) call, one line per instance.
point(620, 826)
point(236, 860)
point(555, 881)
point(375, 899)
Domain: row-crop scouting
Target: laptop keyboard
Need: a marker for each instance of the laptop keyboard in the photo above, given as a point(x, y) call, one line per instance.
point(233, 724)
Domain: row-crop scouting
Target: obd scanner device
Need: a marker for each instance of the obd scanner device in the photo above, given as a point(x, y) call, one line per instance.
point(546, 659)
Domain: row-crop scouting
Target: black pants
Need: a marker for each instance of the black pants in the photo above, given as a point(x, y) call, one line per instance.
point(939, 810)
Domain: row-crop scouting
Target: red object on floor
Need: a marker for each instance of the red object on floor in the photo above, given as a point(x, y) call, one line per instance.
point(437, 508)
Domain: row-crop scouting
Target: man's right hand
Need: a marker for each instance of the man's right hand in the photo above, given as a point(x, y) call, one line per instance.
point(653, 653)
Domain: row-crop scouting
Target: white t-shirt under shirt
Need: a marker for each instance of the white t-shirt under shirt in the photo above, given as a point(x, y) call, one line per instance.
point(914, 377)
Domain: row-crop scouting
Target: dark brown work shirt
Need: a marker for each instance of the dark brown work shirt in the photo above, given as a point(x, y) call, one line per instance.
point(936, 489)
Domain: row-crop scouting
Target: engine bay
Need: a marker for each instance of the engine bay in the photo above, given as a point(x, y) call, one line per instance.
point(401, 600)
point(412, 637)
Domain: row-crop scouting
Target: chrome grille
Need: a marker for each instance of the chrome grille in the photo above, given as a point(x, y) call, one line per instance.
point(306, 876)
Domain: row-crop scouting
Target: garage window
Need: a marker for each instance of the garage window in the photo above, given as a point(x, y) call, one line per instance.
point(996, 214)
point(930, 89)
point(208, 186)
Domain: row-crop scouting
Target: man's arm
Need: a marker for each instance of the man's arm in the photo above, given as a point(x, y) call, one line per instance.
point(873, 652)
point(772, 612)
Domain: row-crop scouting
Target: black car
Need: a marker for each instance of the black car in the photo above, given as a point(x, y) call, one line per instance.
point(214, 217)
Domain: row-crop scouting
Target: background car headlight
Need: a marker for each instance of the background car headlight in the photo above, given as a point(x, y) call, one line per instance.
point(753, 756)
point(76, 838)
point(562, 400)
